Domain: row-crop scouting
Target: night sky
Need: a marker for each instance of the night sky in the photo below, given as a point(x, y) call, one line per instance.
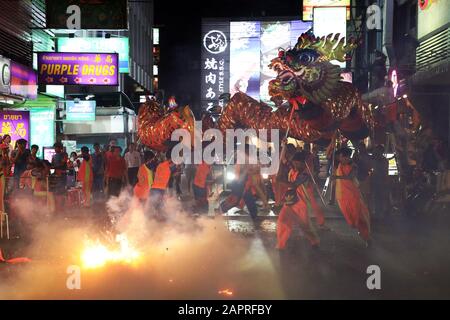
point(180, 33)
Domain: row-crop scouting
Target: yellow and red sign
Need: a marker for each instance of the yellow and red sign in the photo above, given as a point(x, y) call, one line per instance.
point(62, 68)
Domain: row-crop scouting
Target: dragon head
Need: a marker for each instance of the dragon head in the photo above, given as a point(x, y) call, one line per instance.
point(306, 69)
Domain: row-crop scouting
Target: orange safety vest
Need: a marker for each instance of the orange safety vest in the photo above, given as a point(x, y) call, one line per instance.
point(85, 172)
point(145, 181)
point(162, 176)
point(301, 189)
point(201, 175)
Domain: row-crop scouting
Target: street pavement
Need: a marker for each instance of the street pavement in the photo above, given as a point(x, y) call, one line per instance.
point(411, 253)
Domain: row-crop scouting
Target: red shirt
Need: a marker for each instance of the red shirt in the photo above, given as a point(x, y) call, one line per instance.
point(201, 174)
point(116, 167)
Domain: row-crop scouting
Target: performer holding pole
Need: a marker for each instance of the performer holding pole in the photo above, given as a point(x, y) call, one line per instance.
point(296, 207)
point(279, 184)
point(318, 212)
point(349, 196)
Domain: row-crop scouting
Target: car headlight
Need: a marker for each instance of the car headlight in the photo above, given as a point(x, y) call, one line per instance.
point(265, 176)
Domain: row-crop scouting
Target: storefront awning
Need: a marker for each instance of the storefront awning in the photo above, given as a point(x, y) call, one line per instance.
point(43, 101)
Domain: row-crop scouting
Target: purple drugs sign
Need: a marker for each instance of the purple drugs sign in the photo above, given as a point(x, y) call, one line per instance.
point(16, 124)
point(64, 68)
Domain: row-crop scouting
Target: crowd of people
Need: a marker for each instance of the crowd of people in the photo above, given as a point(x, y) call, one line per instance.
point(361, 182)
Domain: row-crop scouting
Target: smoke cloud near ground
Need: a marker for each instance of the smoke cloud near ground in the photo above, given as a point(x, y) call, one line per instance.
point(180, 258)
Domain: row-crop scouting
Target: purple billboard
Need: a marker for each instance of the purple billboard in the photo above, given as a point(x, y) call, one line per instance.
point(23, 81)
point(62, 68)
point(16, 124)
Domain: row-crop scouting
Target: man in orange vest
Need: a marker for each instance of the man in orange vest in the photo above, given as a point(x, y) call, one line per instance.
point(200, 187)
point(86, 176)
point(145, 177)
point(161, 181)
point(298, 203)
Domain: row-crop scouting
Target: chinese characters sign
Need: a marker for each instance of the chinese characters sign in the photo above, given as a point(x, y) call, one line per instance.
point(215, 62)
point(16, 124)
point(236, 55)
point(99, 69)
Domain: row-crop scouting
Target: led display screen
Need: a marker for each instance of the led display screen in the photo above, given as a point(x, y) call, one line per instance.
point(330, 21)
point(80, 110)
point(309, 5)
point(236, 55)
point(105, 45)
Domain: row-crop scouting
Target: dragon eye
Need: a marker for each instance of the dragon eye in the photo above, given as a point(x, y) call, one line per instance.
point(307, 56)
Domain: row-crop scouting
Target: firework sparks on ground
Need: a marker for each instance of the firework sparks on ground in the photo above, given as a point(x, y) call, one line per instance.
point(226, 292)
point(96, 254)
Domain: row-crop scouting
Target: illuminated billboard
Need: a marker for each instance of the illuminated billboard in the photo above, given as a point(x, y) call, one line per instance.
point(432, 15)
point(16, 124)
point(78, 68)
point(104, 45)
point(309, 5)
point(5, 75)
point(42, 128)
point(82, 110)
point(236, 55)
point(330, 21)
point(23, 81)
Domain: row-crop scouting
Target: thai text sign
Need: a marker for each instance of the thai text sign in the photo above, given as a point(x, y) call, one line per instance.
point(16, 124)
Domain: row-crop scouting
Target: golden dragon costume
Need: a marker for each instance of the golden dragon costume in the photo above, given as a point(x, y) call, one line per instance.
point(306, 79)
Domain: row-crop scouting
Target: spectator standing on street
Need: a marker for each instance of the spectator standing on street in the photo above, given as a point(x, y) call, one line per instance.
point(59, 164)
point(6, 139)
point(33, 156)
point(109, 149)
point(133, 160)
point(85, 175)
point(4, 169)
point(98, 170)
point(116, 172)
point(72, 169)
point(20, 158)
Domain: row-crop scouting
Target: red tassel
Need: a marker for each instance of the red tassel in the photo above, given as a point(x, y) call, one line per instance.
point(295, 101)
